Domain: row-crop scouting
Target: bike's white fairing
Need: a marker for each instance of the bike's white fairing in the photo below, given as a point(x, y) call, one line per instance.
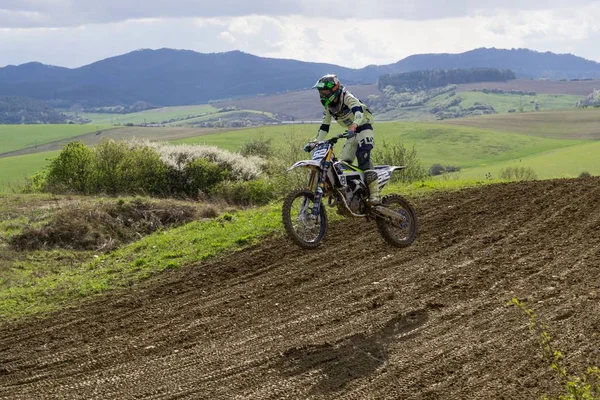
point(306, 163)
point(384, 173)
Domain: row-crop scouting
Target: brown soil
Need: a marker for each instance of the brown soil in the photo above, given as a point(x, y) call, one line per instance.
point(355, 319)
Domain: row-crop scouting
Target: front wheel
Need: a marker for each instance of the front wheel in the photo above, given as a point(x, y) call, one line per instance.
point(304, 228)
point(402, 231)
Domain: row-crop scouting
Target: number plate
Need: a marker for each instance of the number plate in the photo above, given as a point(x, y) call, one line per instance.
point(320, 152)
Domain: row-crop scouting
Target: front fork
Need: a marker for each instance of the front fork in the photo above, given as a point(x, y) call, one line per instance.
point(317, 185)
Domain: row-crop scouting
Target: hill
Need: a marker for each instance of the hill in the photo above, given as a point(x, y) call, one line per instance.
point(181, 77)
point(524, 62)
point(304, 105)
point(353, 319)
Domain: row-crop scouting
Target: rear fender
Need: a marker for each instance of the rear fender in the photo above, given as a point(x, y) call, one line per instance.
point(384, 173)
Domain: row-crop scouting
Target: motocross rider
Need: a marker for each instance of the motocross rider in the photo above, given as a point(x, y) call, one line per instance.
point(353, 115)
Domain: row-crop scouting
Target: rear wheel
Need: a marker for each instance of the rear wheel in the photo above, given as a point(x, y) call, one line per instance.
point(402, 231)
point(304, 228)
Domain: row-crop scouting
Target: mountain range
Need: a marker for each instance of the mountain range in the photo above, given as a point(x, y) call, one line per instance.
point(169, 77)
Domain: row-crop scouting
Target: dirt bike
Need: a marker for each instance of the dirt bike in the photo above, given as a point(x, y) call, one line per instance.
point(304, 216)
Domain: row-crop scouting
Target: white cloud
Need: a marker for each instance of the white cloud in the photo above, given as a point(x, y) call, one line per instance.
point(46, 13)
point(353, 41)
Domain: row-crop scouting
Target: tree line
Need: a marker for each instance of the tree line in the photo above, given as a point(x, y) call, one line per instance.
point(24, 110)
point(432, 78)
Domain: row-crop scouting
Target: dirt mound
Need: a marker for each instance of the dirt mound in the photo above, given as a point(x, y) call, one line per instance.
point(105, 226)
point(354, 319)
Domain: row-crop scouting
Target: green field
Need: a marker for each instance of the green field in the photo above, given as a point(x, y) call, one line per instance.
point(435, 143)
point(15, 137)
point(568, 162)
point(157, 115)
point(14, 170)
point(504, 102)
point(477, 145)
point(572, 124)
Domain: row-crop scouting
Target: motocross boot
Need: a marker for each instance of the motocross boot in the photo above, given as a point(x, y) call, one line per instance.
point(373, 184)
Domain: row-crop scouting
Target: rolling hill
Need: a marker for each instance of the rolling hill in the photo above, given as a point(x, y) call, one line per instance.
point(182, 77)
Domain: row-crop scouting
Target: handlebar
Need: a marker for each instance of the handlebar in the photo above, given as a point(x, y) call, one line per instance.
point(311, 145)
point(334, 139)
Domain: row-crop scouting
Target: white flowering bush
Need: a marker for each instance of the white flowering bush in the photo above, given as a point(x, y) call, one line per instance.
point(141, 166)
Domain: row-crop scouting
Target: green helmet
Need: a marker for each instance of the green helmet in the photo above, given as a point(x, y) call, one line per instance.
point(329, 88)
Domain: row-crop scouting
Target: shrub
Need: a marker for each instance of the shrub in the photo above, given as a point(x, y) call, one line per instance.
point(201, 175)
point(285, 156)
point(436, 169)
point(36, 183)
point(249, 193)
point(72, 170)
point(397, 154)
point(585, 174)
point(142, 167)
point(145, 172)
point(238, 167)
point(518, 174)
point(259, 146)
point(110, 167)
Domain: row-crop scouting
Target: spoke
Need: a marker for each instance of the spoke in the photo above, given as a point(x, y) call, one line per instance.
point(306, 225)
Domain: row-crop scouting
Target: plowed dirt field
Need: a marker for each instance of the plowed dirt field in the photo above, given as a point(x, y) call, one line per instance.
point(354, 319)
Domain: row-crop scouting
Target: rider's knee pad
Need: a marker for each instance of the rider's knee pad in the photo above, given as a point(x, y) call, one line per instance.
point(363, 156)
point(370, 176)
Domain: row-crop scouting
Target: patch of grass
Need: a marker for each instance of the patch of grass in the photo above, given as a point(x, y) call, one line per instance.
point(559, 163)
point(30, 286)
point(572, 124)
point(14, 171)
point(504, 102)
point(15, 137)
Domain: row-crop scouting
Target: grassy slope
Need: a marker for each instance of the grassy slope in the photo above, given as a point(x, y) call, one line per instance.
point(15, 137)
point(435, 143)
point(579, 88)
point(560, 163)
point(157, 115)
point(447, 143)
point(575, 124)
point(14, 170)
point(504, 102)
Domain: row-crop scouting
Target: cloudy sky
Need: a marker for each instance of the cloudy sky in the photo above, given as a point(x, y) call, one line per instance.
point(73, 33)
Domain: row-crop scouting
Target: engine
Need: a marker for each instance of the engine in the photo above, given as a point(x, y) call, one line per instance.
point(355, 195)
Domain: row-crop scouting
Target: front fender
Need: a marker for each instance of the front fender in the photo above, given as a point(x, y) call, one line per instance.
point(305, 163)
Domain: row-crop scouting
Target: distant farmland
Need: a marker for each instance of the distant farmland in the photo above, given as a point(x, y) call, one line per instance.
point(302, 105)
point(165, 134)
point(578, 88)
point(305, 106)
point(15, 137)
point(153, 116)
point(572, 124)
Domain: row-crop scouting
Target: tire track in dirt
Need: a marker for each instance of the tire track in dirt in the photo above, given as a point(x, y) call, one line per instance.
point(354, 319)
